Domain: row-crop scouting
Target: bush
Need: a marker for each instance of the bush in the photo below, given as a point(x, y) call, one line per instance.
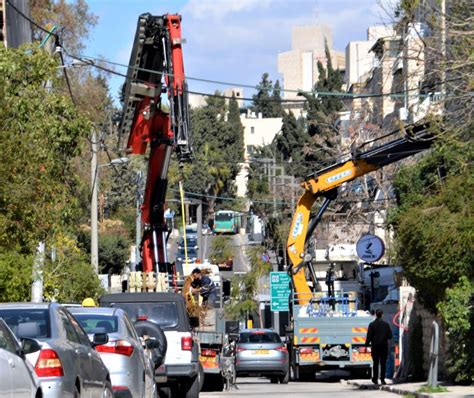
point(221, 249)
point(15, 277)
point(457, 314)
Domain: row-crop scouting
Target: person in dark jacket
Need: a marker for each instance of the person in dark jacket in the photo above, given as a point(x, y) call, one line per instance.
point(203, 285)
point(378, 336)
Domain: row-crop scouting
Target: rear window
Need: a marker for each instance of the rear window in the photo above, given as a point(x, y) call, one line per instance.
point(97, 323)
point(164, 314)
point(33, 323)
point(259, 338)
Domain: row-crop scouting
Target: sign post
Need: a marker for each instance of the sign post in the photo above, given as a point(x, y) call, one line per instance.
point(279, 291)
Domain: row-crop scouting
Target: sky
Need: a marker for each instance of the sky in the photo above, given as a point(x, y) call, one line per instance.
point(234, 41)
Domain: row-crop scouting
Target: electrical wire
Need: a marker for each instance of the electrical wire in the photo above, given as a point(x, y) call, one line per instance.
point(66, 77)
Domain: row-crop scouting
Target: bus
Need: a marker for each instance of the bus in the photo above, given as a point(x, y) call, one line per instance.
point(227, 221)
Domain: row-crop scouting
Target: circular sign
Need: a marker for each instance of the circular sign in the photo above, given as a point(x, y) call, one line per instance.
point(370, 248)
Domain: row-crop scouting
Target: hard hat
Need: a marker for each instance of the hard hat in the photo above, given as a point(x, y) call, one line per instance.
point(88, 302)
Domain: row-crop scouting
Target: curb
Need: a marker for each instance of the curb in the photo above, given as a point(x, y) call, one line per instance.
point(391, 388)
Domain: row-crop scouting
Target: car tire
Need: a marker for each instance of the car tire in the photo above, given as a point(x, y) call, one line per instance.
point(274, 380)
point(285, 378)
point(108, 392)
point(145, 328)
point(201, 376)
point(77, 393)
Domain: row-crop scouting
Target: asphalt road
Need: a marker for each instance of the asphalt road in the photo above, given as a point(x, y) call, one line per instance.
point(253, 387)
point(238, 243)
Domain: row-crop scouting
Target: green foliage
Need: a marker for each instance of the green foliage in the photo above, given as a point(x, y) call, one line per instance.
point(15, 276)
point(40, 135)
point(218, 148)
point(262, 100)
point(457, 312)
point(221, 249)
point(430, 389)
point(245, 288)
point(113, 252)
point(290, 144)
point(277, 109)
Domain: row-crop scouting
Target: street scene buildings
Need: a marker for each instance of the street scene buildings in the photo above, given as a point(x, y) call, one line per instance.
point(230, 196)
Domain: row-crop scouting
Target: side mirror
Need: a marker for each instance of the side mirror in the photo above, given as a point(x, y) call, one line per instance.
point(100, 339)
point(29, 346)
point(152, 344)
point(194, 321)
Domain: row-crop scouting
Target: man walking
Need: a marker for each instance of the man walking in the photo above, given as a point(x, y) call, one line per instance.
point(378, 337)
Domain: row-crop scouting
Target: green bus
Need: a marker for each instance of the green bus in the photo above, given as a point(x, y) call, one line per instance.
point(227, 222)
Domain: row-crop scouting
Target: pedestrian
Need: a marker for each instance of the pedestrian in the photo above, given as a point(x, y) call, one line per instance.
point(378, 337)
point(204, 285)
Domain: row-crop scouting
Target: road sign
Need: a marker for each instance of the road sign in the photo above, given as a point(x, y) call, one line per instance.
point(370, 248)
point(279, 291)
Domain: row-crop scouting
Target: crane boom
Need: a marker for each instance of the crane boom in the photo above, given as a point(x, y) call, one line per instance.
point(156, 67)
point(325, 184)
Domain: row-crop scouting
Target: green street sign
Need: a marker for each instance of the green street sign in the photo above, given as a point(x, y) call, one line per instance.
point(279, 291)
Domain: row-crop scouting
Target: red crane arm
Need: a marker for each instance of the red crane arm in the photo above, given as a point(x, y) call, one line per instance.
point(156, 67)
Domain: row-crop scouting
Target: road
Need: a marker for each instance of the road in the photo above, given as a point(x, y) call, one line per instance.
point(253, 387)
point(238, 242)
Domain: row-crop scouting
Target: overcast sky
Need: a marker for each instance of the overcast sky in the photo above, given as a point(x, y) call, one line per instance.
point(230, 40)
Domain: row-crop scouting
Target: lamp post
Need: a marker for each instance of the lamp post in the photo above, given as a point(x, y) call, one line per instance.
point(94, 202)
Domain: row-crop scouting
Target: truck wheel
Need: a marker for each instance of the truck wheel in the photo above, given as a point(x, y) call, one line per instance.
point(285, 378)
point(294, 372)
point(191, 389)
point(201, 376)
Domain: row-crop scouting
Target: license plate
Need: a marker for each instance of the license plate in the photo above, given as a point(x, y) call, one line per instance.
point(264, 352)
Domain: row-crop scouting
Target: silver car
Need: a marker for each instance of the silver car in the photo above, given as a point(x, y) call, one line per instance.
point(261, 352)
point(64, 360)
point(130, 366)
point(17, 376)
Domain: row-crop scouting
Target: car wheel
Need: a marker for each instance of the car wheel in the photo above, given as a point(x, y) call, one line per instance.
point(77, 393)
point(274, 380)
point(201, 376)
point(285, 378)
point(108, 392)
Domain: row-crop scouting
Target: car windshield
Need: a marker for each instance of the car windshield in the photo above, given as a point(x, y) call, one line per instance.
point(259, 337)
point(95, 323)
point(164, 314)
point(189, 242)
point(27, 322)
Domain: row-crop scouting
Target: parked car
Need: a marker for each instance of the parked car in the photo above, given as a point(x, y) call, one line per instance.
point(17, 376)
point(192, 255)
point(261, 352)
point(191, 243)
point(64, 360)
point(132, 370)
point(206, 229)
point(154, 313)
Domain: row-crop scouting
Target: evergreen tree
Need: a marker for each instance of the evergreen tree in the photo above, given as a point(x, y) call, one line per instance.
point(262, 100)
point(290, 144)
point(277, 109)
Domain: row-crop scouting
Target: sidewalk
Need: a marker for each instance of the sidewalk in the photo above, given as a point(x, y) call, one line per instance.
point(410, 389)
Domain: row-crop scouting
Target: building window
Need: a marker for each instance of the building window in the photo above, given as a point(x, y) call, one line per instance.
point(252, 130)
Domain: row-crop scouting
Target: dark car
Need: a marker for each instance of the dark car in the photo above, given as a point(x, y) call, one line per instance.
point(260, 352)
point(64, 360)
point(153, 313)
point(191, 243)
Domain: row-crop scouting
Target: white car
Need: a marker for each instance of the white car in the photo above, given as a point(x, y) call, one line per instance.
point(17, 376)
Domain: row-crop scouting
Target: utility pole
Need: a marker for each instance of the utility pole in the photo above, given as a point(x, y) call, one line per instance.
point(138, 218)
point(94, 221)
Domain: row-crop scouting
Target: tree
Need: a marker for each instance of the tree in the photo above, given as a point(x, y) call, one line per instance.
point(262, 100)
point(41, 135)
point(277, 109)
point(221, 249)
point(290, 145)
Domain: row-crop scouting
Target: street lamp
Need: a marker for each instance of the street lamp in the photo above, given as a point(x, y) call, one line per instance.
point(94, 202)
